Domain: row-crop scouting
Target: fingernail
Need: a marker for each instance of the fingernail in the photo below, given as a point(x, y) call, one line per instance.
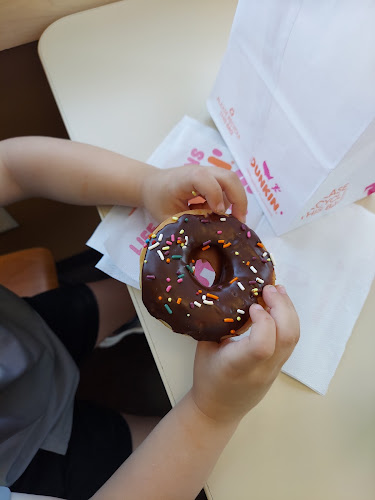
point(271, 288)
point(257, 306)
point(281, 289)
point(220, 207)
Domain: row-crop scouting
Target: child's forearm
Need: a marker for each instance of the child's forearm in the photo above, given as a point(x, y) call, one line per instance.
point(70, 172)
point(174, 461)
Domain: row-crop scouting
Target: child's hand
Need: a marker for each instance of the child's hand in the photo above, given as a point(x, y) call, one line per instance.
point(232, 377)
point(167, 191)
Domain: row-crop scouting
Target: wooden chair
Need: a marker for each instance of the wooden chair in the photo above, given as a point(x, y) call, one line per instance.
point(23, 22)
point(28, 272)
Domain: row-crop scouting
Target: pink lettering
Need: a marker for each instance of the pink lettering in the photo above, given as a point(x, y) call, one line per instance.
point(141, 239)
point(197, 154)
point(191, 161)
point(138, 252)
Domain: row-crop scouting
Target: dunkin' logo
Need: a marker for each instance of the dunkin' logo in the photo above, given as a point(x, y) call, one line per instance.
point(267, 187)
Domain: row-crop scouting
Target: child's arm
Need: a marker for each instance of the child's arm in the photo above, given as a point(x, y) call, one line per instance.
point(229, 379)
point(81, 174)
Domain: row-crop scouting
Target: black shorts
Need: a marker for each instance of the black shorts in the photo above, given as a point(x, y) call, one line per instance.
point(72, 314)
point(100, 440)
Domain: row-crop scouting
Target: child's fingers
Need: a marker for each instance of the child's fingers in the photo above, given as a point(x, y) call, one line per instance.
point(234, 191)
point(207, 186)
point(213, 183)
point(205, 206)
point(285, 317)
point(262, 337)
point(227, 203)
point(260, 345)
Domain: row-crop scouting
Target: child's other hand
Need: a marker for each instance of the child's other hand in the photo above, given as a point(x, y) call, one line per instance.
point(232, 377)
point(167, 191)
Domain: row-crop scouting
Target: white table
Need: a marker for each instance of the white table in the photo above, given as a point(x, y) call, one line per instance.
point(123, 75)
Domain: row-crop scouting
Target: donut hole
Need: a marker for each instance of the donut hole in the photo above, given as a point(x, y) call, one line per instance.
point(204, 272)
point(210, 266)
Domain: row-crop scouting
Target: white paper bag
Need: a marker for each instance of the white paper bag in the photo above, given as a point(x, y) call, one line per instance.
point(294, 100)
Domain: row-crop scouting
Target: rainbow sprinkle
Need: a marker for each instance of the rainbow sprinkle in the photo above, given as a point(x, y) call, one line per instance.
point(168, 308)
point(154, 245)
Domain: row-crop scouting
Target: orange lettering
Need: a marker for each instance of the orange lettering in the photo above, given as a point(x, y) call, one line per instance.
point(218, 163)
point(274, 204)
point(261, 180)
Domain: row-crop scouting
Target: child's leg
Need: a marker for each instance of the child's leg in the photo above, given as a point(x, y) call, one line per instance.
point(85, 314)
point(140, 427)
point(114, 304)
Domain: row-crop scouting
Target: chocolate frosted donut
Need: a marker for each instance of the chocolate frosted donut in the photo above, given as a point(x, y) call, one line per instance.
point(171, 292)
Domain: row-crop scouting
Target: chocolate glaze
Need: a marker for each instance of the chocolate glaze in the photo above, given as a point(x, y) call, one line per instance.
point(205, 322)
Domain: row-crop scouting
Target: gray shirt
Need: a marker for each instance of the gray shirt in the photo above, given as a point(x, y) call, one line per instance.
point(38, 381)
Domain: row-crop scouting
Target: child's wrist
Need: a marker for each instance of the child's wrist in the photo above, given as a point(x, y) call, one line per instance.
point(148, 184)
point(229, 420)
